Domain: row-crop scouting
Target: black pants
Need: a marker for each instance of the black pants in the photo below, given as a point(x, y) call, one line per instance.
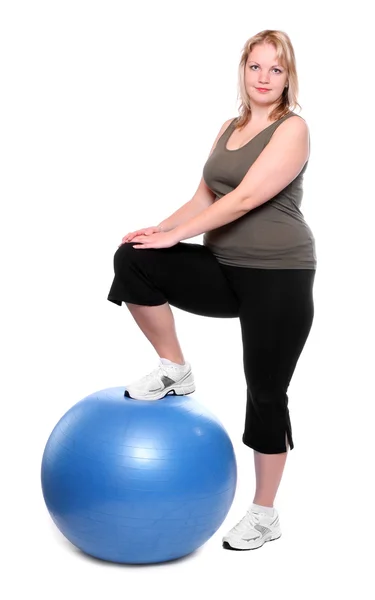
point(275, 308)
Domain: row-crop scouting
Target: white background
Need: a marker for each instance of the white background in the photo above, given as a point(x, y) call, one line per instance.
point(108, 112)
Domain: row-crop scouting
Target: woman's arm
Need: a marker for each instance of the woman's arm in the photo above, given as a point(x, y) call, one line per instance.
point(230, 207)
point(276, 167)
point(202, 198)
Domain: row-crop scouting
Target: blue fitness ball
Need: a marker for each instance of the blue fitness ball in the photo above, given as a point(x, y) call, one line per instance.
point(134, 481)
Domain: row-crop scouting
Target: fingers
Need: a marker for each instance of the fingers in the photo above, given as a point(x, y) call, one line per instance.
point(128, 237)
point(135, 235)
point(125, 239)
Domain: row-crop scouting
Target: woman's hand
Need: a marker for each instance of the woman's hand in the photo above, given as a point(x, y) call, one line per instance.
point(146, 231)
point(164, 239)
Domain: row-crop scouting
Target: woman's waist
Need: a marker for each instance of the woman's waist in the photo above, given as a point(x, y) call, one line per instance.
point(271, 228)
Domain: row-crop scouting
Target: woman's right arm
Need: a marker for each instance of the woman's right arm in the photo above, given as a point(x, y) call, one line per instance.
point(202, 198)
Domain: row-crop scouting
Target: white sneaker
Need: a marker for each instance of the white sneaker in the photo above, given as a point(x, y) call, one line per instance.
point(166, 379)
point(253, 531)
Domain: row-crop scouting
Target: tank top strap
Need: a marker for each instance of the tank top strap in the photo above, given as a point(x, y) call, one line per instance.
point(227, 133)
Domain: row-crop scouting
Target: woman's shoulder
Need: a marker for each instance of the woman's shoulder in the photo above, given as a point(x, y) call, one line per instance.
point(293, 121)
point(294, 116)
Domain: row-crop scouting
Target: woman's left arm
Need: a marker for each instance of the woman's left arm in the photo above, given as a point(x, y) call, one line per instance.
point(276, 167)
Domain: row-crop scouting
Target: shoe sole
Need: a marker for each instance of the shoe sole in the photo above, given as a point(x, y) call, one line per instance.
point(227, 545)
point(176, 390)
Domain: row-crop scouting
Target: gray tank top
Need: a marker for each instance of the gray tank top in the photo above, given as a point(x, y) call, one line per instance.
point(274, 235)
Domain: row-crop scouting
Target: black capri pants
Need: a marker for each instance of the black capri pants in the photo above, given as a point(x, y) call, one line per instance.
point(275, 308)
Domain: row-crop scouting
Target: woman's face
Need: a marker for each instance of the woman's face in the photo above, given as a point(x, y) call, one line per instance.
point(262, 70)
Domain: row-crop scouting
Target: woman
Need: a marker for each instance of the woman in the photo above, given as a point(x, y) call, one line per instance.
point(257, 263)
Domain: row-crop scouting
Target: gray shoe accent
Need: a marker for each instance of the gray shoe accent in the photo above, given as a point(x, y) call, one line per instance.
point(263, 531)
point(167, 381)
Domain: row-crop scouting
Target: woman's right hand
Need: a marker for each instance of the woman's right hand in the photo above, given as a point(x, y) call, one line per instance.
point(147, 231)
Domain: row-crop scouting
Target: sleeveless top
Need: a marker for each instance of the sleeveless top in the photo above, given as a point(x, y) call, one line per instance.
point(275, 234)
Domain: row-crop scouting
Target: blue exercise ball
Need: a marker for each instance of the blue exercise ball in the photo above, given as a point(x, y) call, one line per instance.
point(133, 481)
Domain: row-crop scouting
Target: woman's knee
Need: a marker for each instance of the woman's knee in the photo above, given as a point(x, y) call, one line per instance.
point(123, 256)
point(126, 249)
point(271, 401)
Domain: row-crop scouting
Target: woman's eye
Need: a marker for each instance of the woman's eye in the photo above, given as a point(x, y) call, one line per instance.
point(275, 69)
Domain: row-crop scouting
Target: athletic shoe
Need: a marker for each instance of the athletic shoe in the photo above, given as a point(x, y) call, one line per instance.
point(253, 531)
point(166, 379)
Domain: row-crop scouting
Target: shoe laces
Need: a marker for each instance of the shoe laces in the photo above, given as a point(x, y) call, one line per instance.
point(160, 370)
point(249, 520)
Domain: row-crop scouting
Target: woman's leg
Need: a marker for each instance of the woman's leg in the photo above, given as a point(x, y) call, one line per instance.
point(186, 276)
point(269, 470)
point(276, 314)
point(158, 325)
point(148, 281)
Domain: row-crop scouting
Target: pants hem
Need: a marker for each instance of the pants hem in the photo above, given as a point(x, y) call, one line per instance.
point(263, 451)
point(119, 301)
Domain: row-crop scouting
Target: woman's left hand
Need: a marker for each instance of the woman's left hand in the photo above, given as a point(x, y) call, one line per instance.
point(164, 239)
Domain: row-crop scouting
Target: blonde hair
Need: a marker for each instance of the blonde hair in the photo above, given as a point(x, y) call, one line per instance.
point(285, 55)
